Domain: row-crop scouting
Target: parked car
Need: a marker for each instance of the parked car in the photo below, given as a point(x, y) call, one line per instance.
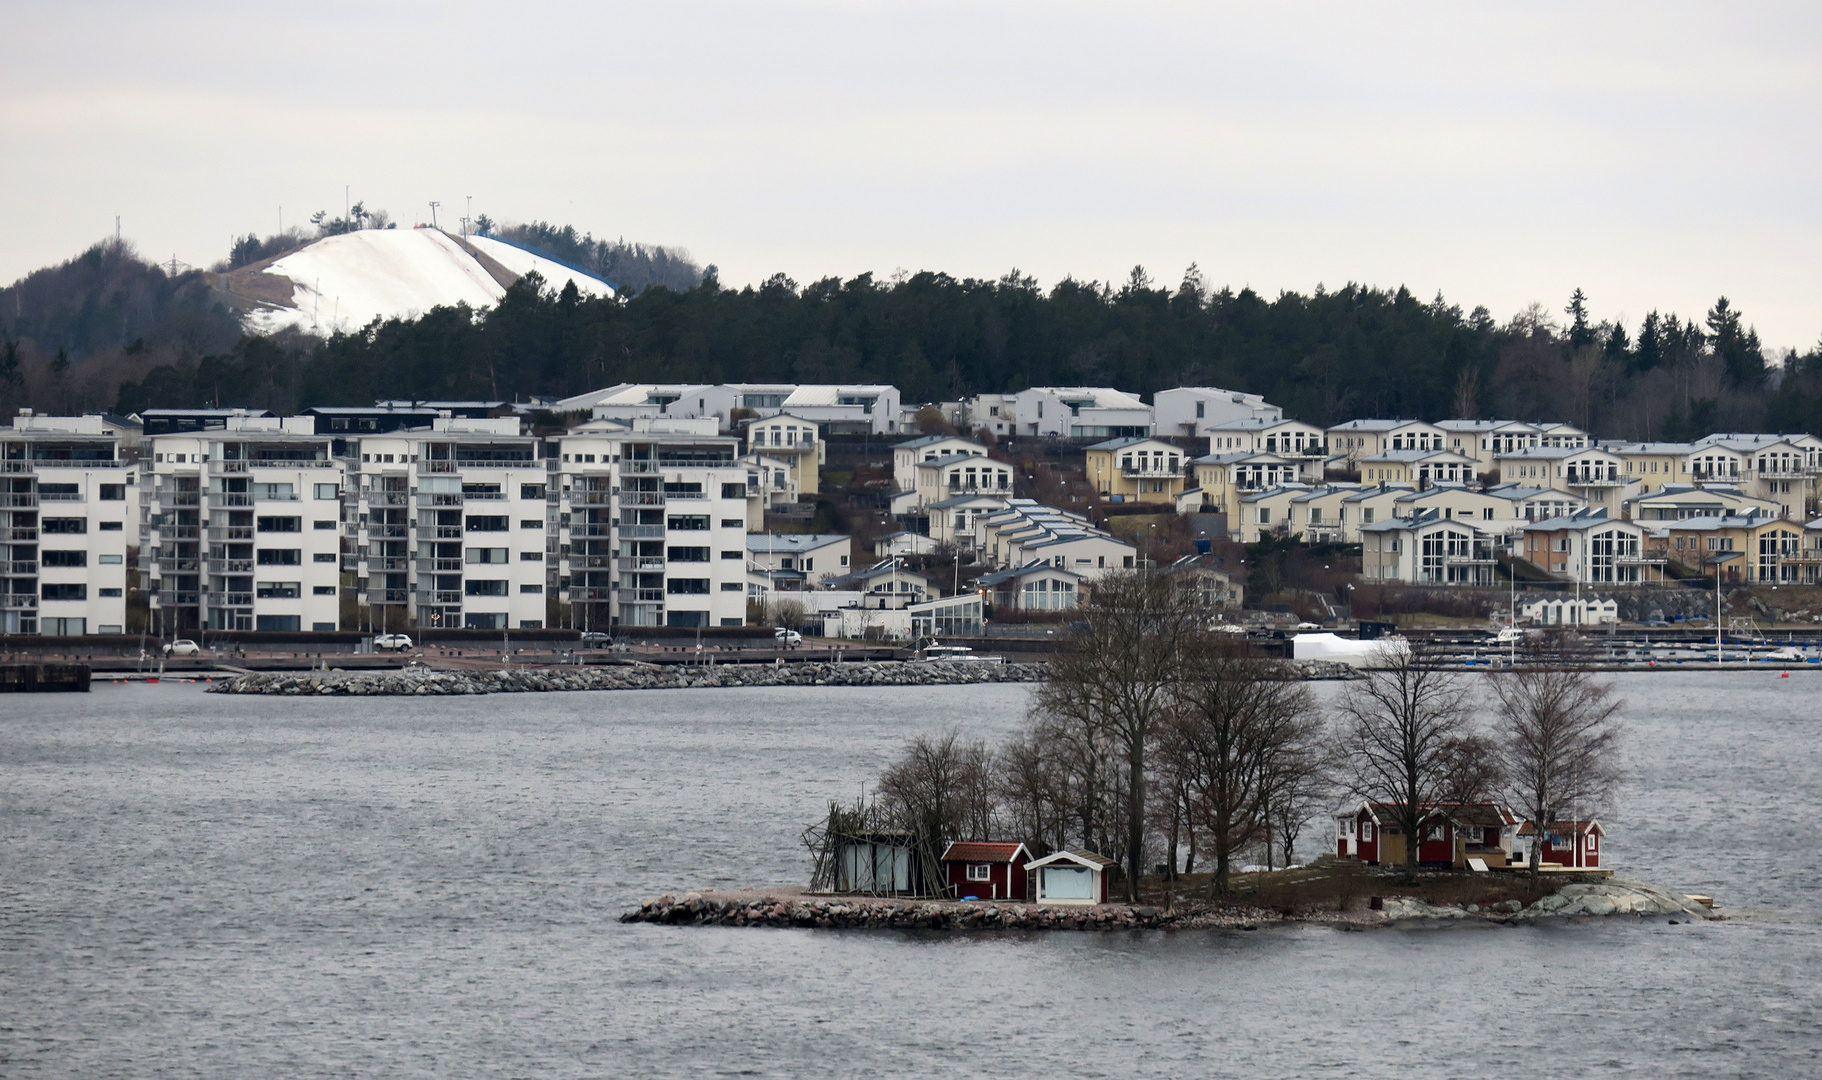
point(595, 639)
point(392, 642)
point(790, 639)
point(182, 647)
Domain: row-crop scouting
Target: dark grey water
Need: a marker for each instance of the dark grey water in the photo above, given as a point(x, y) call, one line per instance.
point(196, 885)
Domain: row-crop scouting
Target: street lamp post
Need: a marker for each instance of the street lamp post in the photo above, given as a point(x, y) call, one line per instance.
point(1714, 562)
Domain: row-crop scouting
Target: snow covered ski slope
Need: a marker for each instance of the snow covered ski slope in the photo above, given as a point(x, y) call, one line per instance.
point(342, 283)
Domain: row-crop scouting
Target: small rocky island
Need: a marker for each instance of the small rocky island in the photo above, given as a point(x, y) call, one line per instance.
point(792, 907)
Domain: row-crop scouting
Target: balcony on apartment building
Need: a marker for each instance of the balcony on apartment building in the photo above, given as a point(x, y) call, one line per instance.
point(1595, 478)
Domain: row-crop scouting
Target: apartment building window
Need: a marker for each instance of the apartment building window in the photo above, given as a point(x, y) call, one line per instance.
point(687, 554)
point(483, 588)
point(63, 526)
point(111, 526)
point(328, 491)
point(52, 591)
point(532, 590)
point(487, 555)
point(322, 590)
point(277, 590)
point(733, 523)
point(733, 491)
point(280, 557)
point(280, 524)
point(531, 491)
point(531, 556)
point(689, 522)
point(323, 557)
point(530, 523)
point(63, 558)
point(732, 554)
point(110, 594)
point(687, 586)
point(281, 623)
point(487, 523)
point(323, 525)
point(731, 586)
point(113, 492)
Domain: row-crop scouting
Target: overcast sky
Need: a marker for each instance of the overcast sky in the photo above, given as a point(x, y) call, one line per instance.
point(1656, 155)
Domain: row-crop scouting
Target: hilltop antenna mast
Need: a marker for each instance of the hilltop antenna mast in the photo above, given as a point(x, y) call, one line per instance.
point(433, 212)
point(469, 217)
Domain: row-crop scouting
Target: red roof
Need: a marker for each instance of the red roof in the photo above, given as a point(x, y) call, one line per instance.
point(971, 851)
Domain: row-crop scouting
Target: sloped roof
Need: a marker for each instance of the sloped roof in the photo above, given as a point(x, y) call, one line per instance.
point(980, 851)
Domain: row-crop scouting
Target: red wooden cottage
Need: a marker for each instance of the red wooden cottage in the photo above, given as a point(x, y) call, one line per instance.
point(987, 871)
point(1575, 845)
point(1452, 834)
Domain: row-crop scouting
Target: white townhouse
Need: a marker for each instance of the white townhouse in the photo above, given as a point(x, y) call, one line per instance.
point(819, 557)
point(1590, 473)
point(995, 412)
point(1653, 464)
point(241, 527)
point(795, 439)
point(954, 476)
point(448, 525)
point(1358, 439)
point(1372, 503)
point(953, 521)
point(1198, 410)
point(64, 509)
point(1321, 514)
point(1419, 467)
point(1222, 480)
point(1080, 412)
point(908, 455)
point(1427, 549)
point(652, 527)
point(1267, 513)
point(1781, 468)
point(1589, 547)
point(1680, 502)
point(1293, 440)
point(1485, 440)
point(1026, 532)
point(774, 479)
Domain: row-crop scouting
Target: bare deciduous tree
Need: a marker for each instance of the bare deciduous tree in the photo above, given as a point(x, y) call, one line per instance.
point(1112, 678)
point(1557, 739)
point(1400, 731)
point(942, 788)
point(1236, 729)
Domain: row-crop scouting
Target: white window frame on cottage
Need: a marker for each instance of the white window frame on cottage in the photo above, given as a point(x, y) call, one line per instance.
point(980, 872)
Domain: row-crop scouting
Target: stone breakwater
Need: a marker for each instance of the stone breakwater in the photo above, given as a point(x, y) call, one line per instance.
point(850, 912)
point(419, 680)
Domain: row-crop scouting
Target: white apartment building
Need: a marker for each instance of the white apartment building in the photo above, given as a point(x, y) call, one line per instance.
point(448, 525)
point(241, 527)
point(64, 509)
point(1198, 410)
point(652, 527)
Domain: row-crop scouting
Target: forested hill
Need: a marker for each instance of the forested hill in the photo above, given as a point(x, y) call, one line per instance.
point(1324, 356)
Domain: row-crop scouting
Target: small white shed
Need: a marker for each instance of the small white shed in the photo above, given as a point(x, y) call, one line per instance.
point(1068, 877)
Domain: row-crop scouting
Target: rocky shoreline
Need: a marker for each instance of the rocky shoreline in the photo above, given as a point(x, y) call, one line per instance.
point(429, 681)
point(794, 908)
